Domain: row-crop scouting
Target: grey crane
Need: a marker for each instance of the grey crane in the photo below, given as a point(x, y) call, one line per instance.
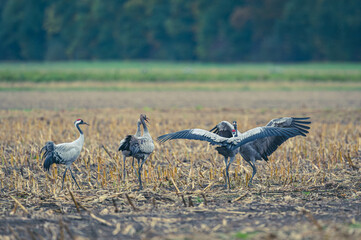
point(261, 148)
point(64, 153)
point(231, 143)
point(227, 130)
point(139, 147)
point(127, 153)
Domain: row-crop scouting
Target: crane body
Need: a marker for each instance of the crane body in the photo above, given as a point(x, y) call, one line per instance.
point(64, 153)
point(255, 144)
point(139, 147)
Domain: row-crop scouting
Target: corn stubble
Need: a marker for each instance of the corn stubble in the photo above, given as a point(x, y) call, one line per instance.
point(176, 170)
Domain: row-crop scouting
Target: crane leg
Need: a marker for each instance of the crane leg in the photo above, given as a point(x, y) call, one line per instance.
point(62, 184)
point(227, 170)
point(136, 173)
point(140, 173)
point(226, 173)
point(124, 157)
point(254, 170)
point(72, 175)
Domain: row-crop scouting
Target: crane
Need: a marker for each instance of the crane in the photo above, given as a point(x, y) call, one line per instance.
point(127, 153)
point(139, 147)
point(227, 130)
point(231, 143)
point(64, 153)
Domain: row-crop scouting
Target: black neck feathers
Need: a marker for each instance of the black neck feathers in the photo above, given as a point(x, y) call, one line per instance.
point(77, 126)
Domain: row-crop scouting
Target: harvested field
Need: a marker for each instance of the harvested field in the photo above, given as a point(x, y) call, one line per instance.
point(310, 188)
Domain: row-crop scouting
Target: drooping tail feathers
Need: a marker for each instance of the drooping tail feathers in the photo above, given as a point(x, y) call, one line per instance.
point(125, 145)
point(48, 155)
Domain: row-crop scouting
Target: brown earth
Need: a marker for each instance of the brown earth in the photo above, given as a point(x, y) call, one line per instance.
point(175, 99)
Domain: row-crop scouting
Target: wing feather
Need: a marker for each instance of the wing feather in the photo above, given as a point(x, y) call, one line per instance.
point(193, 134)
point(270, 144)
point(263, 132)
point(66, 153)
point(234, 142)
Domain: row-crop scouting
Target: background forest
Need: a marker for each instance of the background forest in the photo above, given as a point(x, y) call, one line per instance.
point(188, 30)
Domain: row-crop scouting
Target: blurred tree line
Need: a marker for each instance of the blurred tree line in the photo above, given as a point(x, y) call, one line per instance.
point(205, 30)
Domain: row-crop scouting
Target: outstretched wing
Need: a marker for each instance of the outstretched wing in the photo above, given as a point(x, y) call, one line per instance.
point(194, 134)
point(234, 142)
point(291, 122)
point(263, 132)
point(266, 146)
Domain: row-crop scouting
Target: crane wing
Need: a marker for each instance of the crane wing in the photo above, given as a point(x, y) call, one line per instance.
point(141, 145)
point(263, 132)
point(234, 142)
point(194, 134)
point(266, 146)
point(224, 129)
point(137, 145)
point(66, 152)
point(291, 122)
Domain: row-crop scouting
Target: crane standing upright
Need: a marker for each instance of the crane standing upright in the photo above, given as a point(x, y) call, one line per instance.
point(64, 153)
point(127, 153)
point(227, 130)
point(139, 147)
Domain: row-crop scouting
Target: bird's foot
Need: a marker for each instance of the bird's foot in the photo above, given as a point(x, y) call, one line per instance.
point(250, 184)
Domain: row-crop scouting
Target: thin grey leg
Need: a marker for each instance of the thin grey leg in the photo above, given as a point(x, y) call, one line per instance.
point(227, 169)
point(136, 173)
point(140, 173)
point(72, 175)
point(124, 157)
point(254, 170)
point(226, 172)
point(62, 184)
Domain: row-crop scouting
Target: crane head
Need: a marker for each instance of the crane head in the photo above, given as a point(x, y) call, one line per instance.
point(234, 131)
point(144, 117)
point(80, 121)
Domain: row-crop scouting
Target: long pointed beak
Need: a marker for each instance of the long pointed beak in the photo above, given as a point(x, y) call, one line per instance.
point(86, 123)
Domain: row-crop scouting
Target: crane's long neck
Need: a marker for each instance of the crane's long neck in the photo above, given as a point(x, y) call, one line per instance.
point(139, 131)
point(146, 131)
point(80, 131)
point(80, 140)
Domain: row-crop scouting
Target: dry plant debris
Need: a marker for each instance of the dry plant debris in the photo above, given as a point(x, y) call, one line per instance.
point(310, 188)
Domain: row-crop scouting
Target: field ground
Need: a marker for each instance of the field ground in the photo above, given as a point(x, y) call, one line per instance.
point(221, 86)
point(310, 188)
point(152, 100)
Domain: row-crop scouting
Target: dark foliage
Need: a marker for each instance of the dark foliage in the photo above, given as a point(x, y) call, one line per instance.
point(206, 30)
